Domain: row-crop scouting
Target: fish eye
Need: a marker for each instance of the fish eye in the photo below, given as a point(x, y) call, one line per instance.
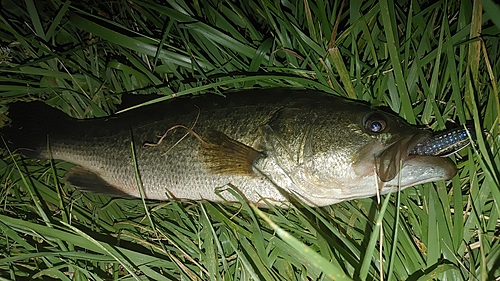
point(374, 123)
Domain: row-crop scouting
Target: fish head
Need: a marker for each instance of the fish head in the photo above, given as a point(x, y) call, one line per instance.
point(387, 153)
point(335, 150)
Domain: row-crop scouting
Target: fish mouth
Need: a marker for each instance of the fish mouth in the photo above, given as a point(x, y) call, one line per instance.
point(418, 169)
point(421, 157)
point(393, 158)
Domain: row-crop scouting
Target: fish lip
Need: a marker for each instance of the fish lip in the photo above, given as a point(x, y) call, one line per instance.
point(421, 140)
point(410, 142)
point(422, 137)
point(433, 167)
point(398, 157)
point(391, 159)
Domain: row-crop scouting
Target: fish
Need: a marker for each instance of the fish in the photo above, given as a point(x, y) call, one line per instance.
point(267, 146)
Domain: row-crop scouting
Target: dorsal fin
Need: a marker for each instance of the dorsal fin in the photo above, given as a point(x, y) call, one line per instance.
point(222, 155)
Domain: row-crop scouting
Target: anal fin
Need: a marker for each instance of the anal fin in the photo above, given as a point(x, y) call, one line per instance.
point(89, 181)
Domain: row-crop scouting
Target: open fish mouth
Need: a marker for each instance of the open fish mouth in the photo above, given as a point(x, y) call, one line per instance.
point(421, 157)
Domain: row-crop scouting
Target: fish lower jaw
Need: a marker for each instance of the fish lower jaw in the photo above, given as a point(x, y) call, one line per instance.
point(359, 188)
point(418, 169)
point(396, 183)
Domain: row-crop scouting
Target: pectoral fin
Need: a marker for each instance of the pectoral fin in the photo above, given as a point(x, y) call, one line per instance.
point(86, 180)
point(222, 155)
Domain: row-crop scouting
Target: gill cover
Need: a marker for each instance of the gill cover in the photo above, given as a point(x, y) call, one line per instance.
point(287, 137)
point(313, 145)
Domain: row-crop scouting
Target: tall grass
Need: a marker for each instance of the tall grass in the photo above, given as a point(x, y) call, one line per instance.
point(432, 62)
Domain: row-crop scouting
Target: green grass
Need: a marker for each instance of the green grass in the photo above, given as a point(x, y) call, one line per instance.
point(432, 62)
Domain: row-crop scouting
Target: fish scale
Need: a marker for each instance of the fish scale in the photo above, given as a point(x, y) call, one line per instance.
point(265, 144)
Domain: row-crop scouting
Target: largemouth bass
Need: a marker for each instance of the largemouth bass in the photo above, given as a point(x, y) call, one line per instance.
point(264, 144)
